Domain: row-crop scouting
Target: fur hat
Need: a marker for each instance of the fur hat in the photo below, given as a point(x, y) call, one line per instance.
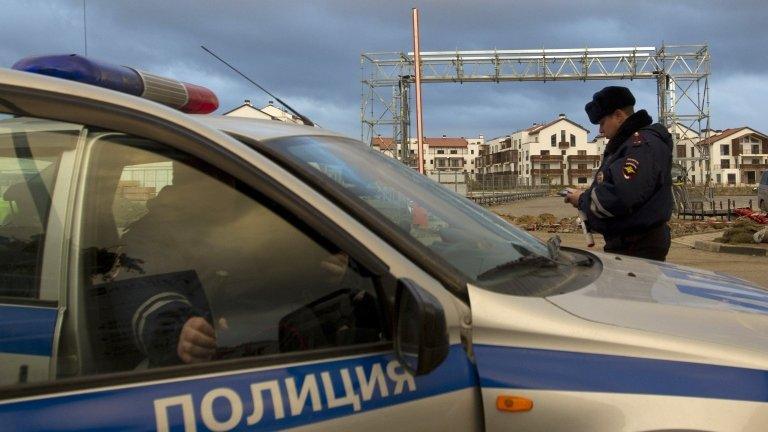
point(608, 100)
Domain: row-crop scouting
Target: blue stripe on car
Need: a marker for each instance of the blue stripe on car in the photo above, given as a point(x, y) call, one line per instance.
point(539, 369)
point(27, 330)
point(132, 408)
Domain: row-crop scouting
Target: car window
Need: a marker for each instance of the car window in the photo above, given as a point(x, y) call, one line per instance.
point(181, 263)
point(139, 184)
point(472, 239)
point(30, 152)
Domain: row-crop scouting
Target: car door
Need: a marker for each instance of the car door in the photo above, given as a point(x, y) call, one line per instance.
point(36, 164)
point(301, 321)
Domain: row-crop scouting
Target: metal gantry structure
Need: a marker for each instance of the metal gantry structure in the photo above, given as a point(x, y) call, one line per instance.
point(681, 73)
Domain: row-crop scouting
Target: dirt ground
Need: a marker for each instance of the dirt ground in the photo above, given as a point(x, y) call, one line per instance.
point(557, 207)
point(754, 269)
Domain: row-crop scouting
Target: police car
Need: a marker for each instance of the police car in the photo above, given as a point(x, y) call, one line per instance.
point(166, 270)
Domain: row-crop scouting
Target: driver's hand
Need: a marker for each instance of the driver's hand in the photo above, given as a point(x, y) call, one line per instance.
point(335, 266)
point(197, 342)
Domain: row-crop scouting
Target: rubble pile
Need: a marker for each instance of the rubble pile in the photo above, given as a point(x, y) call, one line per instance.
point(680, 228)
point(549, 223)
point(742, 231)
point(545, 222)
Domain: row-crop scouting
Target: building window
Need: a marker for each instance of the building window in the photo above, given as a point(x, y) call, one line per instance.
point(545, 152)
point(545, 166)
point(582, 166)
point(719, 178)
point(724, 150)
point(562, 135)
point(471, 152)
point(454, 152)
point(755, 149)
point(440, 151)
point(553, 140)
point(573, 140)
point(582, 180)
point(562, 152)
point(725, 163)
point(732, 179)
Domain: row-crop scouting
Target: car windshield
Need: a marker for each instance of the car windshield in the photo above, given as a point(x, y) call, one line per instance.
point(471, 238)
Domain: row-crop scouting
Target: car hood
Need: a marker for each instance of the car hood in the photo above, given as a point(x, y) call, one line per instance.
point(673, 300)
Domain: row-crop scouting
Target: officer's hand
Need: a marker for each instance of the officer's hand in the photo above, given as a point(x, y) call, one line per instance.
point(197, 342)
point(573, 197)
point(335, 267)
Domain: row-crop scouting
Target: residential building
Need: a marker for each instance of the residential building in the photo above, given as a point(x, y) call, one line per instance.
point(267, 112)
point(444, 154)
point(737, 155)
point(553, 153)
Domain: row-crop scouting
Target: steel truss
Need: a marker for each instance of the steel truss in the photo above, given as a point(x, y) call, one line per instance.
point(681, 73)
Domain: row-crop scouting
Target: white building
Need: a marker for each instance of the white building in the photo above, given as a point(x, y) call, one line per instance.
point(267, 112)
point(554, 153)
point(737, 156)
point(444, 154)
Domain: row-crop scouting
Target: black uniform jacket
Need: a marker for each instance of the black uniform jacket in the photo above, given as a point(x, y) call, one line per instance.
point(632, 191)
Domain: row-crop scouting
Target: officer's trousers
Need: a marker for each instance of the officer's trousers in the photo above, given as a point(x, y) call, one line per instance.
point(652, 244)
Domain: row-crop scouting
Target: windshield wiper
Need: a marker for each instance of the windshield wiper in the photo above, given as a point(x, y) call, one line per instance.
point(528, 257)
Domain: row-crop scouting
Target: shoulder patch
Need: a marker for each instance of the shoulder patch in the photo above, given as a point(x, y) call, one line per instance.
point(637, 139)
point(630, 168)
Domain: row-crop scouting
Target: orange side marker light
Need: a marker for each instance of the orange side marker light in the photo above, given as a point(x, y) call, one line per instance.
point(513, 404)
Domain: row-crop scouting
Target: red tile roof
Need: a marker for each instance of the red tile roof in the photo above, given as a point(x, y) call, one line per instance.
point(445, 142)
point(384, 143)
point(535, 129)
point(724, 134)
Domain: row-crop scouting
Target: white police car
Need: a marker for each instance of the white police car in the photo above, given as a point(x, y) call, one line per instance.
point(160, 270)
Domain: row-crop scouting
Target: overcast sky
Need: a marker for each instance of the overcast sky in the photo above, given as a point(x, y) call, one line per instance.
point(308, 53)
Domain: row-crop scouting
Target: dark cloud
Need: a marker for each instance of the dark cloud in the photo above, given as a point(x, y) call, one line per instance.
point(309, 52)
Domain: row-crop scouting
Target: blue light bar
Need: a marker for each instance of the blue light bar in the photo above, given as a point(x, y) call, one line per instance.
point(77, 68)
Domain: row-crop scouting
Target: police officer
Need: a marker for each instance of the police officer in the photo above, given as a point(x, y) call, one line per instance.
point(630, 200)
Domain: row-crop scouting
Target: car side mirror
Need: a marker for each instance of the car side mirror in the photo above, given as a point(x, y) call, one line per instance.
point(421, 333)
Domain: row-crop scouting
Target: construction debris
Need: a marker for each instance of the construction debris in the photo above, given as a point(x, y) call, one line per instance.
point(759, 217)
point(743, 230)
point(549, 223)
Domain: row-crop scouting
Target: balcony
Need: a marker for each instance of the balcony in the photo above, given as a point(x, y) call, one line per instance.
point(750, 167)
point(546, 158)
point(563, 145)
point(581, 172)
point(583, 159)
point(546, 172)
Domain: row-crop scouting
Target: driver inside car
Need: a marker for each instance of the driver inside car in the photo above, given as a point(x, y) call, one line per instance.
point(203, 261)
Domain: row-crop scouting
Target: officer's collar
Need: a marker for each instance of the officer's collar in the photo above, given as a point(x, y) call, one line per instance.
point(631, 125)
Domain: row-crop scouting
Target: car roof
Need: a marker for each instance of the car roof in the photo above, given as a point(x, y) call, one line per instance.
point(260, 129)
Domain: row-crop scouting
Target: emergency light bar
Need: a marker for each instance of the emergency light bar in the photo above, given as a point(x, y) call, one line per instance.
point(185, 97)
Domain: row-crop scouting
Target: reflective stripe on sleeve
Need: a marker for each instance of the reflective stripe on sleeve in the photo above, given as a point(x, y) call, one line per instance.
point(147, 308)
point(598, 208)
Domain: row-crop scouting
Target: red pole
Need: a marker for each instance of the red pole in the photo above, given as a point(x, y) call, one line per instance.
point(417, 68)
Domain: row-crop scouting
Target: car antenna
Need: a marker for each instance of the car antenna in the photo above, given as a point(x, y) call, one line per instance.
point(303, 118)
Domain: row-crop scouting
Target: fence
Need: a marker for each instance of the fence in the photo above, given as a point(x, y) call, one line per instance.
point(487, 189)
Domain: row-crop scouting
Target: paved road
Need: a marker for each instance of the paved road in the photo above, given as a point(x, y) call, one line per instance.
point(754, 269)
